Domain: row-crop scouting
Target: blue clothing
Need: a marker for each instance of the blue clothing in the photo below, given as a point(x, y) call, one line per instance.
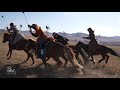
point(40, 46)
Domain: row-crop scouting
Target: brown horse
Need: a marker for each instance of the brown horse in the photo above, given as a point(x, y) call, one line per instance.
point(64, 41)
point(20, 45)
point(103, 51)
point(56, 50)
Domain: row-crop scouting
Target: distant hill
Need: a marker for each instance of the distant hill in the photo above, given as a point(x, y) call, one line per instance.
point(115, 40)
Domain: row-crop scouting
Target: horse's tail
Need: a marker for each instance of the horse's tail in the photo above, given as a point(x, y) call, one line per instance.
point(84, 54)
point(113, 52)
point(71, 57)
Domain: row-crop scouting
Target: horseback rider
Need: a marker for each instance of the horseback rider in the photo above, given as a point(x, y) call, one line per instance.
point(93, 44)
point(59, 38)
point(14, 32)
point(40, 41)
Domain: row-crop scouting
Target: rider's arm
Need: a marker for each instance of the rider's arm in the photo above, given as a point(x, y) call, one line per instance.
point(34, 34)
point(86, 37)
point(9, 30)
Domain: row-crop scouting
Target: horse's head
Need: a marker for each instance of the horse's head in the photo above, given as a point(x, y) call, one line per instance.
point(6, 37)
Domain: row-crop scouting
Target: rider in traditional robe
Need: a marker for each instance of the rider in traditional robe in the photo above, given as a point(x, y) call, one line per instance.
point(93, 44)
point(16, 35)
point(40, 40)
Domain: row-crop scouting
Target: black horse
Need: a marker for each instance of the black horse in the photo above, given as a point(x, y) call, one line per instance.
point(103, 51)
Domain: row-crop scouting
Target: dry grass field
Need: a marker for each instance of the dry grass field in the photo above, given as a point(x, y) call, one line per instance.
point(26, 70)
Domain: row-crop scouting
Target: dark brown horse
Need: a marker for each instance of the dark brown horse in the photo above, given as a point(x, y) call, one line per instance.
point(20, 45)
point(103, 51)
point(56, 50)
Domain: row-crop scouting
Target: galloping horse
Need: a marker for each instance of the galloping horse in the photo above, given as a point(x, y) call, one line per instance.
point(56, 50)
point(20, 45)
point(103, 51)
point(64, 41)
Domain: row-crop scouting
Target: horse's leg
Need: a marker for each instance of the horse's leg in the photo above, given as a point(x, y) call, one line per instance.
point(93, 59)
point(31, 55)
point(103, 57)
point(8, 50)
point(77, 57)
point(10, 54)
point(44, 62)
point(66, 60)
point(106, 59)
point(28, 56)
point(58, 61)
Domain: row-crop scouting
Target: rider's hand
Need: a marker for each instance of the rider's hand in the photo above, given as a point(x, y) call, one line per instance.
point(29, 26)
